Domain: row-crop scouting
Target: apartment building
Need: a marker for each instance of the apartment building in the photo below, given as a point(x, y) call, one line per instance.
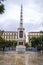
point(33, 34)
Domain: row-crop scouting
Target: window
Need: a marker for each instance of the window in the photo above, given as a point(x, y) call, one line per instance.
point(38, 33)
point(2, 36)
point(10, 37)
point(16, 33)
point(13, 33)
point(35, 33)
point(15, 37)
point(8, 33)
point(5, 33)
point(7, 37)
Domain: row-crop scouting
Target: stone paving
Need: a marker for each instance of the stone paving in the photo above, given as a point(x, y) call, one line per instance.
point(13, 58)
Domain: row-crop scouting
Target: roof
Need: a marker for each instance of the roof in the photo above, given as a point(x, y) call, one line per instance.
point(35, 32)
point(11, 31)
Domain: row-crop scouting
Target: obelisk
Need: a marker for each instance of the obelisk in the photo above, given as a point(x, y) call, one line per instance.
point(20, 42)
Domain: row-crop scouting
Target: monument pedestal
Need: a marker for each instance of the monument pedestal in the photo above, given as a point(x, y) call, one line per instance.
point(20, 48)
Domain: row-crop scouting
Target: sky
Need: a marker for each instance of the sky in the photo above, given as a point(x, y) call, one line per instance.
point(32, 15)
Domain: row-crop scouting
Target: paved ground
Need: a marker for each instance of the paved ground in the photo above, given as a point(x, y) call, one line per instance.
point(28, 58)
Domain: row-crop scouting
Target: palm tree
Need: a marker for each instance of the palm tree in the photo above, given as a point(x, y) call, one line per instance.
point(1, 7)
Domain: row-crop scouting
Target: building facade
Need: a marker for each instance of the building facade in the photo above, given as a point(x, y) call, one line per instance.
point(33, 34)
point(11, 35)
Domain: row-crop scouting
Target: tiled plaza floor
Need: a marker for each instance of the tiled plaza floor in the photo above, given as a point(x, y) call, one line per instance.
point(13, 58)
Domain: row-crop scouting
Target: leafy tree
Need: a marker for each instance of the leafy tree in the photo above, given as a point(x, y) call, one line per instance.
point(2, 43)
point(37, 42)
point(14, 43)
point(33, 41)
point(26, 45)
point(11, 43)
point(41, 42)
point(1, 7)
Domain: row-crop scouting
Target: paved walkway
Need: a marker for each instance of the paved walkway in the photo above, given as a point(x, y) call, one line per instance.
point(14, 58)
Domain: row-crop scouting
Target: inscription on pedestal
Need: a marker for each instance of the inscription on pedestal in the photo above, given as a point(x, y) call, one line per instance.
point(21, 34)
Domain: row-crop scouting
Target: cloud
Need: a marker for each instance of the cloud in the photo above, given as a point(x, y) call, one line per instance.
point(33, 27)
point(11, 25)
point(32, 15)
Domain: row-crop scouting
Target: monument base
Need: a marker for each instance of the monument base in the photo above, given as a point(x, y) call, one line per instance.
point(20, 48)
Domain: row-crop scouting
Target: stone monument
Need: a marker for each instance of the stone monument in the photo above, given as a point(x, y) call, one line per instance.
point(20, 42)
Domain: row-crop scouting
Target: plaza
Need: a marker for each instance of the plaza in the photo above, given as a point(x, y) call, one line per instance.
point(12, 58)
